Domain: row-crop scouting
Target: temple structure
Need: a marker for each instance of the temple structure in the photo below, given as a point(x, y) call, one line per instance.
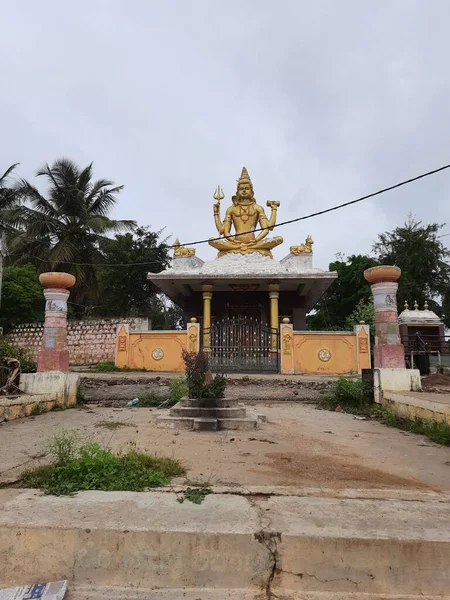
point(240, 299)
point(246, 309)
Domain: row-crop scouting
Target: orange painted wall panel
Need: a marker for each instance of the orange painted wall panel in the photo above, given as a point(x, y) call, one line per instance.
point(157, 350)
point(325, 353)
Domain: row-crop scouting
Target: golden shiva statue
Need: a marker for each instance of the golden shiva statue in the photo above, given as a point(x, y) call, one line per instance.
point(245, 215)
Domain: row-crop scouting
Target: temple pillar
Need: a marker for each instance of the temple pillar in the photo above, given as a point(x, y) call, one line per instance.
point(388, 350)
point(274, 294)
point(207, 297)
point(54, 355)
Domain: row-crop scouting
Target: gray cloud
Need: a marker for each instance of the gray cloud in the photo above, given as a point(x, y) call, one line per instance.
point(322, 101)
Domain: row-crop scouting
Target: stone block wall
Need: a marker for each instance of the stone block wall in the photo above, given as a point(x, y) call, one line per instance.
point(89, 342)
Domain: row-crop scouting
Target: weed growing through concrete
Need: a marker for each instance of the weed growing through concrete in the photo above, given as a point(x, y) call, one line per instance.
point(437, 432)
point(352, 394)
point(110, 367)
point(353, 397)
point(178, 388)
point(152, 400)
point(194, 495)
point(79, 466)
point(114, 424)
point(38, 409)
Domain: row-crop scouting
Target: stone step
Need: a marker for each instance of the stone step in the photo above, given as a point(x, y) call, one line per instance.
point(175, 422)
point(217, 413)
point(222, 403)
point(205, 424)
point(146, 544)
point(244, 424)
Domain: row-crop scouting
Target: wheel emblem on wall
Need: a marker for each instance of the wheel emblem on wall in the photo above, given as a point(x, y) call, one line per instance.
point(157, 354)
point(324, 355)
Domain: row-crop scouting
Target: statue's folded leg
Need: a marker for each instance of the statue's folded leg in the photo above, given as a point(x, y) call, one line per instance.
point(222, 245)
point(268, 243)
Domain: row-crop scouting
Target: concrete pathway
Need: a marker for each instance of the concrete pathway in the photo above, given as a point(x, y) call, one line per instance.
point(300, 446)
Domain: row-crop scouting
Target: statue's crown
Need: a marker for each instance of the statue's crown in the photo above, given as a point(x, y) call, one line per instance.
point(245, 177)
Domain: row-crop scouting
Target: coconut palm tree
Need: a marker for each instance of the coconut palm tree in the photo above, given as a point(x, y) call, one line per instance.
point(9, 202)
point(63, 229)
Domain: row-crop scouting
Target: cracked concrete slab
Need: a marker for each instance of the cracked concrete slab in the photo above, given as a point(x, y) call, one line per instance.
point(290, 547)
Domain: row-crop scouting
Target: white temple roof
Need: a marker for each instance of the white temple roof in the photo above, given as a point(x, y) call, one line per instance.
point(244, 264)
point(418, 317)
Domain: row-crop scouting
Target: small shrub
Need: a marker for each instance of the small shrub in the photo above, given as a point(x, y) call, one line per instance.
point(178, 388)
point(9, 350)
point(352, 394)
point(63, 446)
point(153, 400)
point(106, 367)
point(197, 372)
point(109, 367)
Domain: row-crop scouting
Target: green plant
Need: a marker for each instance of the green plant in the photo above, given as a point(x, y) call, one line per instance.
point(9, 350)
point(63, 446)
point(178, 388)
point(37, 409)
point(194, 495)
point(197, 375)
point(80, 399)
point(88, 466)
point(437, 432)
point(153, 400)
point(349, 394)
point(106, 367)
point(114, 424)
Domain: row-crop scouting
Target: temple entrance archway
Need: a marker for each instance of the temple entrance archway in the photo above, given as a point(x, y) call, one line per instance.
point(244, 345)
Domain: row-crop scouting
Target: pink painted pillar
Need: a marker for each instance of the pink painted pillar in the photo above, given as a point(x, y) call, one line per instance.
point(388, 350)
point(53, 355)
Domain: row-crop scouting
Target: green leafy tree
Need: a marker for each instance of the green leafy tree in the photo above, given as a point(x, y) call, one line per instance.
point(345, 294)
point(23, 300)
point(9, 203)
point(63, 230)
point(364, 311)
point(126, 291)
point(424, 260)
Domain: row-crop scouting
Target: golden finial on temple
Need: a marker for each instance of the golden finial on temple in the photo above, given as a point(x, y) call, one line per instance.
point(180, 251)
point(416, 305)
point(305, 248)
point(426, 306)
point(406, 305)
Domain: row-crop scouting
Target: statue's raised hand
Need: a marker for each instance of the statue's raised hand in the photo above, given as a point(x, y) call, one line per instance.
point(273, 204)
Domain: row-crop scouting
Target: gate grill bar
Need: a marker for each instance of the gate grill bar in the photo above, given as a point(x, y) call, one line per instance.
point(242, 345)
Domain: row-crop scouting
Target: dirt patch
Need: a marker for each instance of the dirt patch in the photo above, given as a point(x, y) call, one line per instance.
point(333, 471)
point(436, 383)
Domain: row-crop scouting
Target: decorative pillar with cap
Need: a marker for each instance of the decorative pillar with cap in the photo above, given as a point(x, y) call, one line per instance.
point(274, 294)
point(54, 355)
point(388, 349)
point(207, 289)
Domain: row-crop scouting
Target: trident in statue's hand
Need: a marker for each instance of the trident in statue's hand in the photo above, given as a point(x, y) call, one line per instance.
point(218, 195)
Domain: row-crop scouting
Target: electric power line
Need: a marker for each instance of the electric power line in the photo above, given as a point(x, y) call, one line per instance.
point(289, 222)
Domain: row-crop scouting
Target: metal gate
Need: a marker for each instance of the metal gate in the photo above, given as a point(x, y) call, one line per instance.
point(242, 345)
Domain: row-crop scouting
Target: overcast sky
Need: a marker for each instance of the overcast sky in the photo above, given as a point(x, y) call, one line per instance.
point(322, 101)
